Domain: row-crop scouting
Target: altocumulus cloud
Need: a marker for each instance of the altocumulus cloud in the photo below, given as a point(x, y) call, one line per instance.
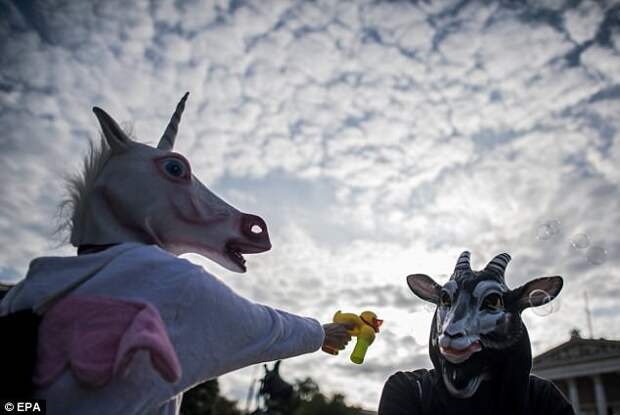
point(376, 138)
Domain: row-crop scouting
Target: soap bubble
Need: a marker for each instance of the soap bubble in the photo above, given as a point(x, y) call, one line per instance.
point(544, 232)
point(548, 230)
point(596, 255)
point(554, 224)
point(547, 307)
point(580, 241)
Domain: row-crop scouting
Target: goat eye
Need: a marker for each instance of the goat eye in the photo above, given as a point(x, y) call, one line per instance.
point(174, 168)
point(444, 299)
point(493, 302)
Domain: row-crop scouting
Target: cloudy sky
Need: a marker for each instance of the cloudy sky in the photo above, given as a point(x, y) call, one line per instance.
point(376, 138)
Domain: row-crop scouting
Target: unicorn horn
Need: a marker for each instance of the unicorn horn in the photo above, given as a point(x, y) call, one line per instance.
point(167, 140)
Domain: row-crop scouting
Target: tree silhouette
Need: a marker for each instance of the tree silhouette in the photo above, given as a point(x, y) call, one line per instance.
point(205, 399)
point(313, 402)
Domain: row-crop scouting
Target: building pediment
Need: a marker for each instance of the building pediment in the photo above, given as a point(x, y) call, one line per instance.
point(578, 350)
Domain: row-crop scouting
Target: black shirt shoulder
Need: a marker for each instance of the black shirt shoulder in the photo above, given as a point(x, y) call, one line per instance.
point(545, 398)
point(401, 393)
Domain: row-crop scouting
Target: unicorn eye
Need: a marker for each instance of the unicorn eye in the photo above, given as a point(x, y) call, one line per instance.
point(492, 302)
point(174, 168)
point(445, 300)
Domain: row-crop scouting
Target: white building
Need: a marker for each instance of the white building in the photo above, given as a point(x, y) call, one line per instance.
point(587, 371)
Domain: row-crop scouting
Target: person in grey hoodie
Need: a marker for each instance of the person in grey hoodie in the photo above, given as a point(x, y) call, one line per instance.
point(127, 326)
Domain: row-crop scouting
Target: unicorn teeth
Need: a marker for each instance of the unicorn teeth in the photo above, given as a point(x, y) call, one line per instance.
point(236, 256)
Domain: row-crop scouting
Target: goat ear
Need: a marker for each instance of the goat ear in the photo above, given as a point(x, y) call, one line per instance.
point(537, 292)
point(424, 287)
point(113, 134)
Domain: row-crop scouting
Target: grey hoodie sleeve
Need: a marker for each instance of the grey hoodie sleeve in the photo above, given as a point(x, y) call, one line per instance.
point(216, 331)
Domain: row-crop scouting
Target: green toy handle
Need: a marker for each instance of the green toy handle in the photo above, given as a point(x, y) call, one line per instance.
point(361, 346)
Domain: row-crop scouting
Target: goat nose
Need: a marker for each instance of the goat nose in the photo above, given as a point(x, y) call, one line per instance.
point(454, 332)
point(255, 229)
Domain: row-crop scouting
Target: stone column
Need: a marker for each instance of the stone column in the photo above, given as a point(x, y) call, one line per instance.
point(599, 393)
point(573, 394)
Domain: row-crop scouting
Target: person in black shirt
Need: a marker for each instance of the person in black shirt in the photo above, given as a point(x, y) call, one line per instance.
point(479, 347)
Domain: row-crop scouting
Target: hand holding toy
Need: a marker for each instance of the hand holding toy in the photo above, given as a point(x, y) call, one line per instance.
point(364, 328)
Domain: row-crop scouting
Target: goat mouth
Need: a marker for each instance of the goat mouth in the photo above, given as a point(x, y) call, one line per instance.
point(465, 390)
point(462, 380)
point(457, 356)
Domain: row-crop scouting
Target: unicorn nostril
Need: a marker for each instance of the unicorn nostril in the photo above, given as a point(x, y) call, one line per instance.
point(254, 228)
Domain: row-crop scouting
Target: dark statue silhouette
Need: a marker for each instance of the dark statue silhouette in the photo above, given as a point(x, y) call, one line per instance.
point(275, 396)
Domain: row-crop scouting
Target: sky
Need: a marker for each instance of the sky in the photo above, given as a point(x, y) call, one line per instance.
point(376, 138)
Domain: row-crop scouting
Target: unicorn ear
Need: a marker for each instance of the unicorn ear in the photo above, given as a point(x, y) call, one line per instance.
point(114, 135)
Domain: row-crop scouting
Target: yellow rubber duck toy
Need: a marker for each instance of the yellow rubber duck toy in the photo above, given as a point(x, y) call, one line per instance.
point(364, 328)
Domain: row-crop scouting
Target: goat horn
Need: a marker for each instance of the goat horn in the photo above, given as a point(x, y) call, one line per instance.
point(498, 264)
point(463, 261)
point(167, 140)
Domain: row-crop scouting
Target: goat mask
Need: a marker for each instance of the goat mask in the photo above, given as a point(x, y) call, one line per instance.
point(477, 331)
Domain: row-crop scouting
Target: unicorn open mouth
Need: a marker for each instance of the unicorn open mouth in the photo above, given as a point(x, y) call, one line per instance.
point(254, 239)
point(457, 356)
point(235, 255)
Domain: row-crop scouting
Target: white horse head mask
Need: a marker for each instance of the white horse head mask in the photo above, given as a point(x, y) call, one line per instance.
point(134, 192)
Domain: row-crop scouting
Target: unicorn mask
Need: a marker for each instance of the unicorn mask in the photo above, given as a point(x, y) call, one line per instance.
point(477, 328)
point(133, 192)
